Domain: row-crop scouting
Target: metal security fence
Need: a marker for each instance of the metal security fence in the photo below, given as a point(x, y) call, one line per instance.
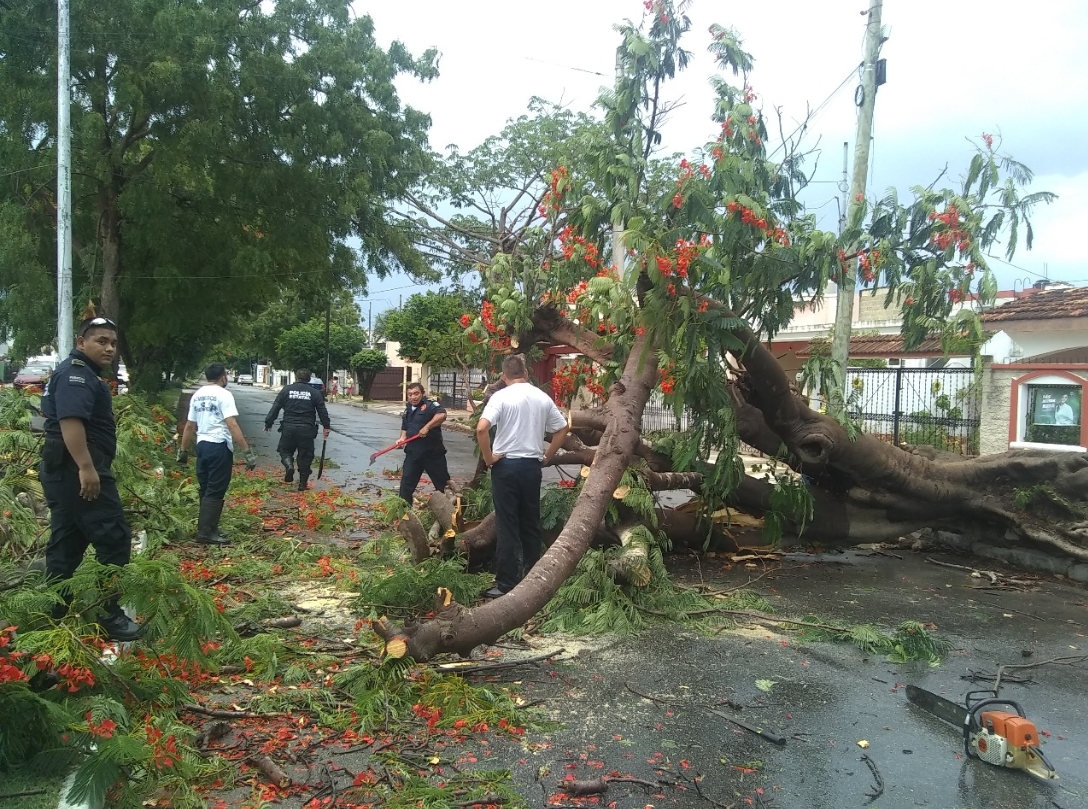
point(450, 387)
point(940, 407)
point(658, 415)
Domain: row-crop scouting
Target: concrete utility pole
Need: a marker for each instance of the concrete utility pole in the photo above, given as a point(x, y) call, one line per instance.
point(848, 275)
point(64, 183)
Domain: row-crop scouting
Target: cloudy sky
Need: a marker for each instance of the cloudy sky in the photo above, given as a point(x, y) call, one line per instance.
point(955, 70)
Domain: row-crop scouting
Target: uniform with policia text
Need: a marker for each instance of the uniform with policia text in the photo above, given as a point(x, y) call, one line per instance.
point(76, 391)
point(424, 454)
point(302, 406)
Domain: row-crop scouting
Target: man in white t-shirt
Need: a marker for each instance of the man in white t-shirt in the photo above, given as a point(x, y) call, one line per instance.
point(213, 419)
point(521, 414)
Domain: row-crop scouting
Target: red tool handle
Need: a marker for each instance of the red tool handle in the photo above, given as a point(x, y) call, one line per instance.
point(393, 446)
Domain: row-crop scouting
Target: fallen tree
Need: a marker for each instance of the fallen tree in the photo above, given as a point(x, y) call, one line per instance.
point(709, 259)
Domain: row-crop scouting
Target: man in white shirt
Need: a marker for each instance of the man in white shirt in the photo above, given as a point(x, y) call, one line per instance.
point(521, 414)
point(213, 419)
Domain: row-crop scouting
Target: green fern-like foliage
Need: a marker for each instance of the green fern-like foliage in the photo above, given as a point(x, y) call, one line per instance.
point(556, 504)
point(31, 725)
point(593, 600)
point(410, 589)
point(477, 500)
point(910, 641)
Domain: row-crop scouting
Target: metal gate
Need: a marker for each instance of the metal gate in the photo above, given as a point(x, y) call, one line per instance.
point(389, 384)
point(940, 407)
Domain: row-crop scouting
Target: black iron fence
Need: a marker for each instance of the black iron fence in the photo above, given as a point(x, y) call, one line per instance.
point(940, 407)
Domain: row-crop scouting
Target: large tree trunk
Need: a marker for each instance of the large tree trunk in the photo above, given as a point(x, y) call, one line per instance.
point(459, 629)
point(861, 489)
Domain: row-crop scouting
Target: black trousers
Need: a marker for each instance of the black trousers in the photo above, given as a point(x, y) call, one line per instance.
point(214, 466)
point(433, 463)
point(515, 490)
point(75, 523)
point(298, 439)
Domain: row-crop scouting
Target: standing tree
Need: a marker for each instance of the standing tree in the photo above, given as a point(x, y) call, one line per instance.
point(223, 153)
point(422, 316)
point(304, 346)
point(366, 365)
point(455, 348)
point(716, 262)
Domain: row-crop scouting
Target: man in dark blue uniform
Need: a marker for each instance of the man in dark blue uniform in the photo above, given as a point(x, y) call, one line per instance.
point(426, 453)
point(302, 406)
point(80, 443)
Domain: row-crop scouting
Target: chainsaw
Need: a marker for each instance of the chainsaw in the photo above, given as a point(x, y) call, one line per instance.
point(991, 733)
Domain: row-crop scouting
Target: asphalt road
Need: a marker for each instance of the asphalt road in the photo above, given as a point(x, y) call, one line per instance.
point(640, 704)
point(356, 434)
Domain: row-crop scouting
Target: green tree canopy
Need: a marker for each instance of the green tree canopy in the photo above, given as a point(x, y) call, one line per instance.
point(304, 346)
point(422, 316)
point(223, 153)
point(366, 365)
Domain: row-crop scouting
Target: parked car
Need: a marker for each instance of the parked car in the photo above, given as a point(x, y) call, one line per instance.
point(32, 375)
point(316, 383)
point(244, 379)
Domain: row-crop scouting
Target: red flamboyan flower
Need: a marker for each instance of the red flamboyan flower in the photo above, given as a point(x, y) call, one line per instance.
point(103, 729)
point(465, 321)
point(989, 140)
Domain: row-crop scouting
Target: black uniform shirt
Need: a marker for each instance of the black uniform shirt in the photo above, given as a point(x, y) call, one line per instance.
point(415, 419)
point(302, 405)
point(76, 391)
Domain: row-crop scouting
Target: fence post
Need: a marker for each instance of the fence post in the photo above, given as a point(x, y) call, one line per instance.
point(895, 408)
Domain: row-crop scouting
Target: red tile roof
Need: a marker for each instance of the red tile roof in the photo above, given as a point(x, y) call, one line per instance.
point(1046, 304)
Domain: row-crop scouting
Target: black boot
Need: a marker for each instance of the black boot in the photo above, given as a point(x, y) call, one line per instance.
point(207, 532)
point(118, 626)
point(58, 611)
point(288, 467)
point(302, 481)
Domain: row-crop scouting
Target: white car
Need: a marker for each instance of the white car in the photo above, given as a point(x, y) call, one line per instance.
point(245, 379)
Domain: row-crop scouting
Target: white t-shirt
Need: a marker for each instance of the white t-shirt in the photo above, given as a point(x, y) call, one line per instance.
point(521, 414)
point(210, 408)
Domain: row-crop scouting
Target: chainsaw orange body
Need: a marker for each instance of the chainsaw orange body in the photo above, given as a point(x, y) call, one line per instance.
point(1007, 740)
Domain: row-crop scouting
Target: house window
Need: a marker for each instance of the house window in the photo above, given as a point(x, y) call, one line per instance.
point(1054, 414)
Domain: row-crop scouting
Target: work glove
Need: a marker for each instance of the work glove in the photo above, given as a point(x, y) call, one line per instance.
point(183, 457)
point(251, 460)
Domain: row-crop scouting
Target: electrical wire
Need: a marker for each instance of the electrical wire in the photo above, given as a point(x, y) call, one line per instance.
point(812, 115)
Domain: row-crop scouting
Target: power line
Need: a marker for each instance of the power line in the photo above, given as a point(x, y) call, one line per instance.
point(812, 115)
point(1017, 267)
point(566, 67)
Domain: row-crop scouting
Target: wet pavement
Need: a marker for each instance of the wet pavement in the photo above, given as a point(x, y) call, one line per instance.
point(641, 706)
point(357, 432)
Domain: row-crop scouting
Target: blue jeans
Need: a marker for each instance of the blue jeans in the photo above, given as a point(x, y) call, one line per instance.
point(214, 464)
point(515, 490)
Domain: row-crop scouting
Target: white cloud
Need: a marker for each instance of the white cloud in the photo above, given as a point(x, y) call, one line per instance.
point(955, 70)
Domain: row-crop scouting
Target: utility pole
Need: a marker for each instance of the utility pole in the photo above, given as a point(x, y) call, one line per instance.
point(370, 325)
point(871, 77)
point(64, 182)
point(844, 186)
point(328, 321)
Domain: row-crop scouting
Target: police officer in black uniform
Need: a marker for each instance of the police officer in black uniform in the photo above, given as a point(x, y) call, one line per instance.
point(302, 406)
point(80, 443)
point(426, 452)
